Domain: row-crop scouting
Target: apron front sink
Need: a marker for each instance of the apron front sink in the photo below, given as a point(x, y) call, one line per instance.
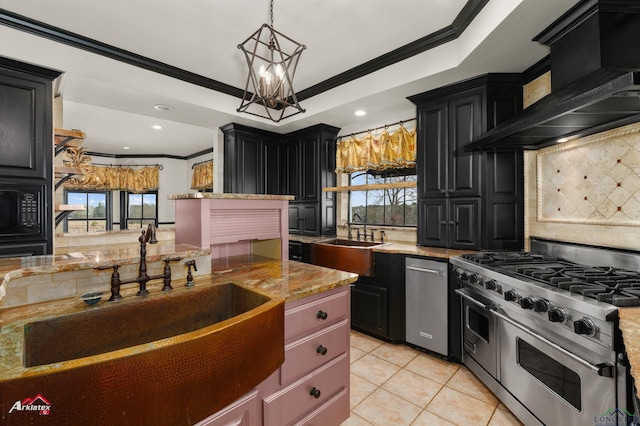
point(345, 255)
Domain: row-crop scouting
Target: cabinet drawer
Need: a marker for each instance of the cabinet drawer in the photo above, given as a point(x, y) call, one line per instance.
point(304, 319)
point(296, 401)
point(333, 412)
point(305, 355)
point(243, 412)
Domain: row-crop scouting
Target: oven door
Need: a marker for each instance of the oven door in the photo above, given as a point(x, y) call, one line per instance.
point(479, 334)
point(556, 386)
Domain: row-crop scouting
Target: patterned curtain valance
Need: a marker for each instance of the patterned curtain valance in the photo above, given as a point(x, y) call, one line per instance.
point(381, 152)
point(116, 178)
point(202, 176)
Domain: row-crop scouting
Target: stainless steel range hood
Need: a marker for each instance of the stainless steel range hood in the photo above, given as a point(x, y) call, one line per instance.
point(595, 79)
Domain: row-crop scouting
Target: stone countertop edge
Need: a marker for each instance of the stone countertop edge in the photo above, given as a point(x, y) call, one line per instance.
point(278, 280)
point(395, 247)
point(13, 268)
point(228, 196)
point(630, 328)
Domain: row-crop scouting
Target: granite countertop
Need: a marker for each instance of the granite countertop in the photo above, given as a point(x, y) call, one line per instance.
point(395, 247)
point(12, 268)
point(276, 279)
point(226, 196)
point(630, 327)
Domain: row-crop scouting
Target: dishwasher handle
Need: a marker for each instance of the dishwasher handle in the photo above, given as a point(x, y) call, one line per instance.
point(429, 271)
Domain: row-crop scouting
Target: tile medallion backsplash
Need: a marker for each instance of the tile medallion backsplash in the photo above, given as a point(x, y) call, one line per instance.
point(594, 180)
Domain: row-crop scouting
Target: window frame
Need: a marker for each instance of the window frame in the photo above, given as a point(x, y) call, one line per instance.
point(373, 174)
point(124, 209)
point(108, 206)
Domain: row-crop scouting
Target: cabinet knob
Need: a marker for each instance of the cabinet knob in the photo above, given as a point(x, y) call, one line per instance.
point(321, 350)
point(322, 315)
point(315, 393)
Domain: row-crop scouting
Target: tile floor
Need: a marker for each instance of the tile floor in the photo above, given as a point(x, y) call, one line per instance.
point(395, 385)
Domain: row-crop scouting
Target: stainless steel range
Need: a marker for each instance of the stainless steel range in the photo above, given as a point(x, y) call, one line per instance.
point(540, 329)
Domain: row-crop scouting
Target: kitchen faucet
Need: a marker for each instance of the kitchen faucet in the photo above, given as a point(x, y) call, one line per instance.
point(364, 222)
point(148, 236)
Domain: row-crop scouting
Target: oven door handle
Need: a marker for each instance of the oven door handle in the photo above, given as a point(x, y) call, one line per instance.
point(464, 295)
point(604, 369)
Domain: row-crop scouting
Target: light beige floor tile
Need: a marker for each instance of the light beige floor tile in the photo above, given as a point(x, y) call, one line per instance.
point(396, 354)
point(360, 389)
point(459, 408)
point(504, 418)
point(383, 408)
point(429, 419)
point(364, 342)
point(355, 420)
point(374, 369)
point(432, 368)
point(414, 388)
point(466, 382)
point(356, 354)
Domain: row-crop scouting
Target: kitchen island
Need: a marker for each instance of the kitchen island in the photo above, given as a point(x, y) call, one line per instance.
point(321, 293)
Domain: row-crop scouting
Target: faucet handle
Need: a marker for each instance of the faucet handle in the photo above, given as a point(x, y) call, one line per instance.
point(115, 280)
point(189, 264)
point(172, 259)
point(115, 267)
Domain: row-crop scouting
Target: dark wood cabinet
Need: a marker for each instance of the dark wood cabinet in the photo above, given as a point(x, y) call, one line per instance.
point(378, 302)
point(26, 139)
point(468, 200)
point(299, 163)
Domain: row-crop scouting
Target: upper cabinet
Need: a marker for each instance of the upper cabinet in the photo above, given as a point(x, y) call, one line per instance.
point(468, 200)
point(299, 163)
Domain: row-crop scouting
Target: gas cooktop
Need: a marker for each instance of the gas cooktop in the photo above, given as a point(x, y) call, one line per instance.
point(616, 286)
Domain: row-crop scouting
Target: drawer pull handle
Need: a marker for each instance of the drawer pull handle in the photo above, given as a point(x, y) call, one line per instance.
point(321, 350)
point(322, 315)
point(315, 393)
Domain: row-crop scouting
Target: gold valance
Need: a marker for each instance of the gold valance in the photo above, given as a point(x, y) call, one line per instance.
point(202, 176)
point(116, 178)
point(381, 152)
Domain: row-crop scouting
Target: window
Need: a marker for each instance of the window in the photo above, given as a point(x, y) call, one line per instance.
point(96, 215)
point(139, 210)
point(390, 204)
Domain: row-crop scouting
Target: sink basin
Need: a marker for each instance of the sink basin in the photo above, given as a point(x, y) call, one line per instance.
point(345, 255)
point(167, 358)
point(118, 326)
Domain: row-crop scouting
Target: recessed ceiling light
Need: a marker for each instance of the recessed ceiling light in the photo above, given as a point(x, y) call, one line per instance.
point(162, 107)
point(157, 127)
point(360, 113)
point(125, 147)
point(561, 140)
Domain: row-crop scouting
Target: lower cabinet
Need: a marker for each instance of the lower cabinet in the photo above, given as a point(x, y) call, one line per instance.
point(377, 303)
point(300, 251)
point(311, 387)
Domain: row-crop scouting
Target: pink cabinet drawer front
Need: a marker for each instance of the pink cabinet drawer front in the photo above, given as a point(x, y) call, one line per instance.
point(309, 317)
point(333, 412)
point(299, 400)
point(243, 412)
point(305, 355)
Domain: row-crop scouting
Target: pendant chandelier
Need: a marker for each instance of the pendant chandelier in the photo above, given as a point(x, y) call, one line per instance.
point(272, 58)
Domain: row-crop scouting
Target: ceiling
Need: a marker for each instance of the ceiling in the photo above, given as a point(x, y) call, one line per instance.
point(112, 101)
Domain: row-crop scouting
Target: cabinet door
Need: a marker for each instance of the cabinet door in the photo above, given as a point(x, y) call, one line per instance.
point(464, 223)
point(310, 161)
point(369, 309)
point(295, 219)
point(432, 151)
point(243, 159)
point(311, 220)
point(25, 125)
point(465, 115)
point(433, 224)
point(291, 167)
point(271, 167)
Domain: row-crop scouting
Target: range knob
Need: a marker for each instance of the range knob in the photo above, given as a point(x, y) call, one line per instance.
point(541, 305)
point(457, 273)
point(557, 315)
point(475, 279)
point(584, 326)
point(464, 276)
point(490, 285)
point(527, 302)
point(510, 295)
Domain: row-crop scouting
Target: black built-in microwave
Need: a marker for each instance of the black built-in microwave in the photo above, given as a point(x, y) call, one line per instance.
point(20, 210)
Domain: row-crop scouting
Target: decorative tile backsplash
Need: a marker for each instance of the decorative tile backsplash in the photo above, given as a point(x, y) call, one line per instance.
point(594, 180)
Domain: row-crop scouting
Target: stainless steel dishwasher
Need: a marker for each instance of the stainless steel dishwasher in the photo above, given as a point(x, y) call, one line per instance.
point(426, 304)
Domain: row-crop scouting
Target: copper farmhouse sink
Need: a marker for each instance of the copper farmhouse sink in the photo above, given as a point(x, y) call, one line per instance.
point(345, 255)
point(169, 358)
